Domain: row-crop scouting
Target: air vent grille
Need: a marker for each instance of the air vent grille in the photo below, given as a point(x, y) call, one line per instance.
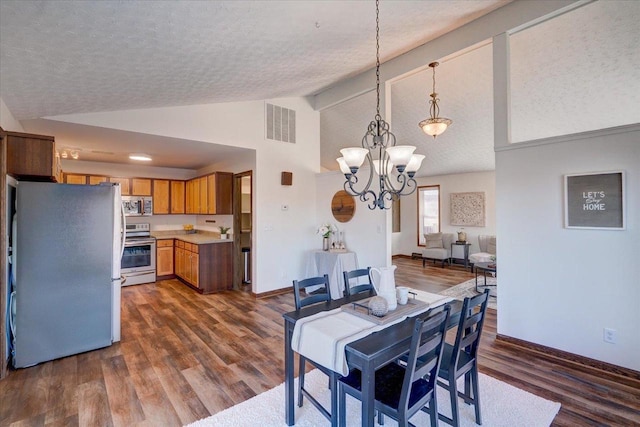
point(281, 123)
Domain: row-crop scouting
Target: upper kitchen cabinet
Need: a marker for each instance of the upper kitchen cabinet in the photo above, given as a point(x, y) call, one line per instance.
point(160, 196)
point(124, 185)
point(140, 186)
point(220, 194)
point(177, 197)
point(97, 179)
point(32, 157)
point(202, 195)
point(74, 178)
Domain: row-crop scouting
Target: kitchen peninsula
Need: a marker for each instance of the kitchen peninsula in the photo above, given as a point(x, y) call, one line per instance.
point(200, 260)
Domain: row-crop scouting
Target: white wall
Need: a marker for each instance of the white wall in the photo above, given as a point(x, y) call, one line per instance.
point(560, 287)
point(280, 238)
point(7, 121)
point(366, 233)
point(406, 242)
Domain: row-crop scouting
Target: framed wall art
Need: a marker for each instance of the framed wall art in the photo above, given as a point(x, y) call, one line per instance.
point(467, 209)
point(594, 200)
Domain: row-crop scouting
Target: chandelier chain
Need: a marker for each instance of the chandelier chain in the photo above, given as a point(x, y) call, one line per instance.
point(378, 117)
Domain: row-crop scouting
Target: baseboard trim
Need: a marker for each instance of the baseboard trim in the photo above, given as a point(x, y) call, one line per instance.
point(567, 357)
point(273, 293)
point(401, 256)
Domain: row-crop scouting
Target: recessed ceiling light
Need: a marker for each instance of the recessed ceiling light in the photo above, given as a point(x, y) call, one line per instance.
point(140, 156)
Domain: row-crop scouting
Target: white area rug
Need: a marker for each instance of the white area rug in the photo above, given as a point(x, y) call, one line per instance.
point(468, 289)
point(502, 405)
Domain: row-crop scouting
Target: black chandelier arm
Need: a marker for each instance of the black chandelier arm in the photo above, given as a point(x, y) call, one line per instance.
point(366, 196)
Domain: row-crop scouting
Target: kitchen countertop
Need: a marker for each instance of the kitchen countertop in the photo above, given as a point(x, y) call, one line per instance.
point(195, 238)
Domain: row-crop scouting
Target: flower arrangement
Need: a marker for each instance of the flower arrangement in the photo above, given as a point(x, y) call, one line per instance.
point(326, 230)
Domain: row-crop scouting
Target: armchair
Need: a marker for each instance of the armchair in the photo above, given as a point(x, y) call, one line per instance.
point(437, 247)
point(487, 250)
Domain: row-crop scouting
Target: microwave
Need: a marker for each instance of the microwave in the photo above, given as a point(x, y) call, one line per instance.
point(137, 206)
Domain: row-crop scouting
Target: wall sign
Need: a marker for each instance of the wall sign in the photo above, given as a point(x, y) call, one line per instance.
point(343, 206)
point(594, 200)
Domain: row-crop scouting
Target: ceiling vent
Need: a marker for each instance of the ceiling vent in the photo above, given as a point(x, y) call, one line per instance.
point(281, 123)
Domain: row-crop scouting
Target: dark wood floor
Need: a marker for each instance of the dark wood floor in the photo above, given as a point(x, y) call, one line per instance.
point(184, 356)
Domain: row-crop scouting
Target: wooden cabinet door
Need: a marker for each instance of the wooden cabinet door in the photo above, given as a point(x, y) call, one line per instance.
point(160, 196)
point(31, 156)
point(164, 262)
point(177, 197)
point(124, 185)
point(189, 199)
point(70, 178)
point(96, 179)
point(141, 187)
point(202, 191)
point(220, 194)
point(211, 193)
point(179, 262)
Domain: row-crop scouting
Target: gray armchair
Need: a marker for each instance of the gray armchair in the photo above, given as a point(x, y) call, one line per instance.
point(437, 247)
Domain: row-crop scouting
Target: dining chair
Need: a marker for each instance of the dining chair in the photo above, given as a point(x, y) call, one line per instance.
point(319, 295)
point(402, 391)
point(358, 287)
point(461, 358)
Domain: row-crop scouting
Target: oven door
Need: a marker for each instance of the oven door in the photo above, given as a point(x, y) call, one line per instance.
point(139, 255)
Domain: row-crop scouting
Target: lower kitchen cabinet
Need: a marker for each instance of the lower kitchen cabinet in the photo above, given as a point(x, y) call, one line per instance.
point(164, 258)
point(207, 268)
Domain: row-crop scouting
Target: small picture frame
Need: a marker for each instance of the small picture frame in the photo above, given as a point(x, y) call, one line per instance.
point(595, 200)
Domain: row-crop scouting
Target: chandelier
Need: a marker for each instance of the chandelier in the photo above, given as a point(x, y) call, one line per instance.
point(434, 125)
point(392, 166)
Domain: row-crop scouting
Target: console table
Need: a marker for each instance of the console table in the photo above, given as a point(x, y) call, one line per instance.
point(465, 259)
point(334, 264)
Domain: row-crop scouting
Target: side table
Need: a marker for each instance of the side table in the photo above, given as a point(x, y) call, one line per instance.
point(465, 259)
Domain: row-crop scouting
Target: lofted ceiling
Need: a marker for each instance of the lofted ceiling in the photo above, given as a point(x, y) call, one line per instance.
point(66, 57)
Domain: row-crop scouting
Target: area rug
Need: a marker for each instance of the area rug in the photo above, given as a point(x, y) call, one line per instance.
point(502, 405)
point(468, 289)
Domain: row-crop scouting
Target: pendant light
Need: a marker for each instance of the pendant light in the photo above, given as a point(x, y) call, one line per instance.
point(434, 125)
point(393, 166)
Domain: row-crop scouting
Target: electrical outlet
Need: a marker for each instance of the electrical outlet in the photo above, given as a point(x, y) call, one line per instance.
point(610, 336)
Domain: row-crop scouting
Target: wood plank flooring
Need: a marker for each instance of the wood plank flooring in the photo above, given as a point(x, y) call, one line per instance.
point(184, 356)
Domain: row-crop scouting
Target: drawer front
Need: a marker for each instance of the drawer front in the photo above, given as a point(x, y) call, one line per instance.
point(165, 243)
point(180, 243)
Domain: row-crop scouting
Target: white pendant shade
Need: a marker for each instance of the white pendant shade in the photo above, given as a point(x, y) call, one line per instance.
point(400, 154)
point(343, 165)
point(415, 163)
point(378, 168)
point(354, 156)
point(434, 127)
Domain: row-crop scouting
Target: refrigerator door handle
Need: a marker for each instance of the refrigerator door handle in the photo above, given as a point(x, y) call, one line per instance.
point(124, 230)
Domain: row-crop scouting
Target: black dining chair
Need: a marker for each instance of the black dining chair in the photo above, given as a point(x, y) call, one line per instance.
point(461, 358)
point(402, 391)
point(358, 287)
point(321, 294)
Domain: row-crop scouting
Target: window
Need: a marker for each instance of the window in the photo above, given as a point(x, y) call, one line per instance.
point(428, 211)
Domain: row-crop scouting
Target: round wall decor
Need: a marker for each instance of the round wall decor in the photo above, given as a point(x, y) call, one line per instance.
point(343, 206)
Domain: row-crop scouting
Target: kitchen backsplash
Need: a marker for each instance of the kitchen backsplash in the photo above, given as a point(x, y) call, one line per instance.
point(175, 222)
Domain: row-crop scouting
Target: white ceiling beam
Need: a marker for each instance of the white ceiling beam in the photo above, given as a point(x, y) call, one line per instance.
point(508, 18)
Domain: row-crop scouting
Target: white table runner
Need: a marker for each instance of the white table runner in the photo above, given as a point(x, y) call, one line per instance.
point(322, 337)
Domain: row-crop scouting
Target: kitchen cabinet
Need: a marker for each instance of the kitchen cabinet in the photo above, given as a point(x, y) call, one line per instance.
point(177, 197)
point(72, 178)
point(220, 193)
point(140, 186)
point(207, 268)
point(202, 195)
point(32, 157)
point(160, 196)
point(124, 185)
point(164, 258)
point(96, 179)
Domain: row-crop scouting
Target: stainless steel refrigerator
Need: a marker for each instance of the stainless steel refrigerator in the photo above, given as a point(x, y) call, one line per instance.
point(67, 264)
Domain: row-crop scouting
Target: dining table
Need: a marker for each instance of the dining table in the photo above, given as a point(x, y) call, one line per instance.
point(367, 354)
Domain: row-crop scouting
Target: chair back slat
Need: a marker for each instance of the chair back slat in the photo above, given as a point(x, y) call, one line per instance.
point(358, 287)
point(320, 295)
point(470, 327)
point(425, 352)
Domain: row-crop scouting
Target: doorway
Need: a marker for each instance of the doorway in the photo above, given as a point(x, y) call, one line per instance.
point(242, 221)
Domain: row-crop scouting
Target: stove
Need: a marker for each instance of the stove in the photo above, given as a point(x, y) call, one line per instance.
point(138, 264)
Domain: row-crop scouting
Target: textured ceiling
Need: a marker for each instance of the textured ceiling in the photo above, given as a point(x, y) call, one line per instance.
point(62, 57)
point(565, 78)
